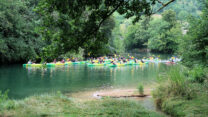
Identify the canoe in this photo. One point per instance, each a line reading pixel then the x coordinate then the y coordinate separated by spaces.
pixel 121 64
pixel 75 62
pixel 36 65
pixel 169 62
pixel 60 64
pixel 117 65
pixel 83 62
pixel 32 65
pixel 50 64
pixel 68 63
pixel 26 65
pixel 140 63
pixel 95 64
pixel 129 63
pixel 108 60
pixel 112 65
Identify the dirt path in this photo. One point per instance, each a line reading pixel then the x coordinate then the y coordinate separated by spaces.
pixel 114 93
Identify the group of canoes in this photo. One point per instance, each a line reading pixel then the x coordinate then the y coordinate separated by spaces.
pixel 103 61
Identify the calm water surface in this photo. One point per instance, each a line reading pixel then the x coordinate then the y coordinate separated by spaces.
pixel 23 82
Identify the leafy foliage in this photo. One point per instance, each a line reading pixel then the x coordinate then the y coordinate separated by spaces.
pixel 3 96
pixel 183 8
pixel 194 46
pixel 138 35
pixel 116 42
pixel 181 90
pixel 157 34
pixel 165 34
pixel 68 25
pixel 18 39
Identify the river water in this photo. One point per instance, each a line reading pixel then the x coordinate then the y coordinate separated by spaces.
pixel 22 82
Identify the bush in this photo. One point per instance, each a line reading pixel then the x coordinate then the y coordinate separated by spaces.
pixel 3 96
pixel 197 74
pixel 141 89
pixel 176 83
pixel 179 96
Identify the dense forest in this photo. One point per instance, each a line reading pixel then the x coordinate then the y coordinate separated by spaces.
pixel 30 29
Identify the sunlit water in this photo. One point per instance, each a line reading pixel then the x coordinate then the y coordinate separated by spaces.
pixel 23 82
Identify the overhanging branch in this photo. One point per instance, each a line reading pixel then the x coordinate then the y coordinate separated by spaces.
pixel 164 4
pixel 160 2
pixel 94 31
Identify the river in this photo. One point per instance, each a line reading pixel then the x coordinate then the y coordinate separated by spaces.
pixel 22 82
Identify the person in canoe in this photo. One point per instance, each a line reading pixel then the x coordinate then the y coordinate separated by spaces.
pixel 29 62
pixel 120 60
pixel 135 60
pixel 113 62
pixel 172 61
pixel 92 60
pixel 62 61
pixel 124 60
pixel 54 61
pixel 68 60
pixel 100 60
pixel 74 60
pixel 142 61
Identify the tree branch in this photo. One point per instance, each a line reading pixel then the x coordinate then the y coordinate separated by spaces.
pixel 108 15
pixel 101 22
pixel 164 5
pixel 160 2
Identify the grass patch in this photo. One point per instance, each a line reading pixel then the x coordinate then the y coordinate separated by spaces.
pixel 183 93
pixel 62 106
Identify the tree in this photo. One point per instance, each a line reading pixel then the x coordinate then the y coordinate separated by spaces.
pixel 191 7
pixel 165 33
pixel 138 35
pixel 158 33
pixel 70 24
pixel 194 46
pixel 18 39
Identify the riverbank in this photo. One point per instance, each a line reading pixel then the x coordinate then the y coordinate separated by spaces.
pixel 127 92
pixel 183 93
pixel 61 105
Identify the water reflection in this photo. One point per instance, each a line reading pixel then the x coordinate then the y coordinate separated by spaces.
pixel 30 81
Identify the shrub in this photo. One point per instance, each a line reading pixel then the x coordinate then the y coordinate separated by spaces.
pixel 197 74
pixel 176 83
pixel 141 89
pixel 3 96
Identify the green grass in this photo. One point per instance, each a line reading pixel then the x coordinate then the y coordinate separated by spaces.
pixel 62 106
pixel 182 94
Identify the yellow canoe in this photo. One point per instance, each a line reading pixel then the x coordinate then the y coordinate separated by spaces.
pixel 32 65
pixel 59 64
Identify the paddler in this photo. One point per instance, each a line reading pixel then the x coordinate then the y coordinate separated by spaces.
pixel 54 61
pixel 29 62
pixel 62 61
pixel 142 61
pixel 135 60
